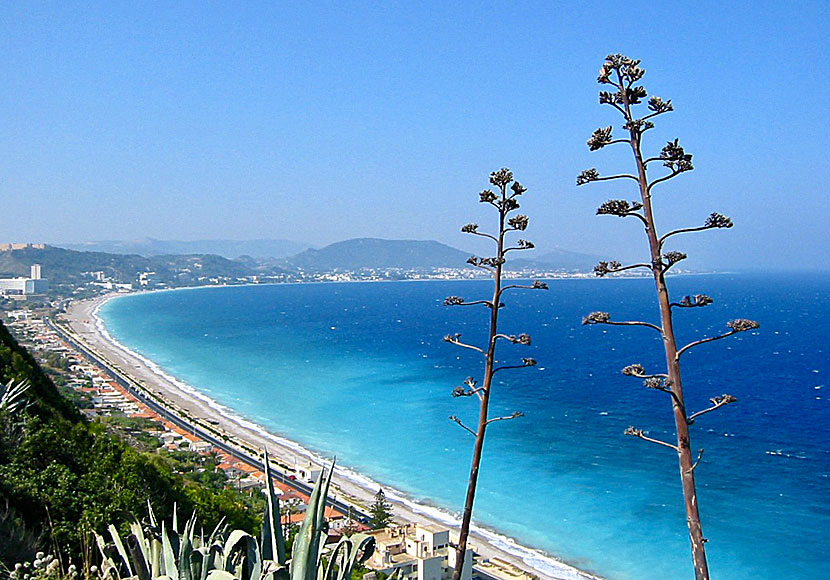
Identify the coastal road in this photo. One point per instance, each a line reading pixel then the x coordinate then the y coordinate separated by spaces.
pixel 196 429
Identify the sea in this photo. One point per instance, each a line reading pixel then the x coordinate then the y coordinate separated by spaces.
pixel 360 371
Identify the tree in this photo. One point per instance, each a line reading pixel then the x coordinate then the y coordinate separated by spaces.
pixel 505 201
pixel 623 74
pixel 381 511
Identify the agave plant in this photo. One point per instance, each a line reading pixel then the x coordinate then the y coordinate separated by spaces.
pixel 164 553
pixel 14 397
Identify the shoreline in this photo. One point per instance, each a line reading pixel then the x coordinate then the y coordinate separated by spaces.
pixel 349 485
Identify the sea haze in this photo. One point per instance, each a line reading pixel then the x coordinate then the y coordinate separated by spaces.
pixel 361 371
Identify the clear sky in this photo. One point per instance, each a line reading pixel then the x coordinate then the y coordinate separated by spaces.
pixel 319 121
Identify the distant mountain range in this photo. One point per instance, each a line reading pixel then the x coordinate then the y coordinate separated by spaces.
pixel 231 249
pixel 360 253
pixel 354 254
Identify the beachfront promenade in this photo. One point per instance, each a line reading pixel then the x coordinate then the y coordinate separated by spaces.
pixel 181 420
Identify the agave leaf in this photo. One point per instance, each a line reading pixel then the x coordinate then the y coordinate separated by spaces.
pixel 186 549
pixel 348 553
pixel 142 544
pixel 221 575
pixel 217 531
pixel 280 573
pixel 235 543
pixel 197 563
pixel 168 553
pixel 337 559
pixel 253 561
pixel 142 570
pixel 119 545
pixel 363 546
pixel 218 554
pixel 13 396
pixel 273 542
pixel 155 559
pixel 153 523
pixel 307 543
pixel 108 565
pixel 213 559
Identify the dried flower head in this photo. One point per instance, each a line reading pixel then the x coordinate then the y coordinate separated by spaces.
pixel 524 339
pixel 696 300
pixel 634 370
pixel 501 177
pixel 460 392
pixel 658 105
pixel 723 399
pixel 525 244
pixel 605 73
pixel 655 383
pixel 673 258
pixel 529 362
pixel 638 125
pixel 519 222
pixel 491 261
pixel 606 98
pixel 618 207
pixel 470 228
pixel 453 300
pixel 675 157
pixel 518 188
pixel 716 220
pixel 539 285
pixel 587 176
pixel 742 324
pixel 487 196
pixel 635 94
pixel 600 138
pixel 604 268
pixel 508 204
pixel 596 318
pixel 633 432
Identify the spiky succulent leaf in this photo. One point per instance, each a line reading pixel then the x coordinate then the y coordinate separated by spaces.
pixel 273 543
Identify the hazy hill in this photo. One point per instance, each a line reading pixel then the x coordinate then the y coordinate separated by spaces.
pixel 62 266
pixel 558 259
pixel 230 249
pixel 376 253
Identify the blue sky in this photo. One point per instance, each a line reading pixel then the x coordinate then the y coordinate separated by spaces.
pixel 339 120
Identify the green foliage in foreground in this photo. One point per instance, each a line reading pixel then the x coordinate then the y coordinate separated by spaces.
pixel 161 551
pixel 63 478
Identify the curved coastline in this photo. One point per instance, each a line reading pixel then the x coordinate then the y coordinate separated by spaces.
pixel 85 318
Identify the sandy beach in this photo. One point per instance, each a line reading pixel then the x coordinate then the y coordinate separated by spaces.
pixel 347 485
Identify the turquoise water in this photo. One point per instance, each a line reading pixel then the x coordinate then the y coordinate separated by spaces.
pixel 361 371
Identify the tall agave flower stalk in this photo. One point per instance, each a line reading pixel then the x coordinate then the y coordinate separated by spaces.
pixel 623 74
pixel 505 201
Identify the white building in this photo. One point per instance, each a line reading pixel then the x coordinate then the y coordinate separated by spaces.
pixel 25 286
pixel 420 552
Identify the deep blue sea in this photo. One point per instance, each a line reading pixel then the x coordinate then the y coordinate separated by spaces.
pixel 360 371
